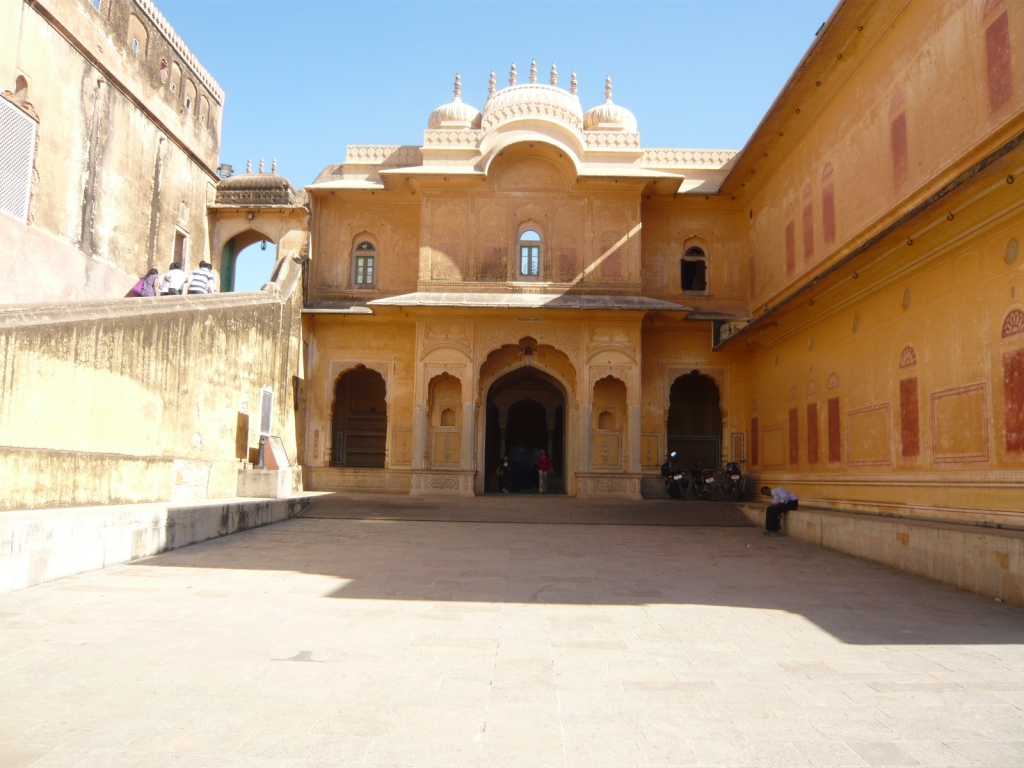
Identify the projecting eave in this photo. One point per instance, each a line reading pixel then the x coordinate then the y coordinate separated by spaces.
pixel 529 301
pixel 337 308
pixel 340 184
pixel 464 171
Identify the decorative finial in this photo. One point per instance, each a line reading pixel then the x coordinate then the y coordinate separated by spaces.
pixel 533 71
pixel 512 75
pixel 492 85
pixel 572 84
pixel 261 165
pixel 608 88
pixel 273 166
pixel 554 74
pixel 248 165
pixel 458 87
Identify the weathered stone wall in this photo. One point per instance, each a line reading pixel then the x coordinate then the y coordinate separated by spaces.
pixel 119 131
pixel 138 400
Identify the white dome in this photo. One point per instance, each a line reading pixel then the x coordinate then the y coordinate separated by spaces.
pixel 456 114
pixel 532 100
pixel 609 116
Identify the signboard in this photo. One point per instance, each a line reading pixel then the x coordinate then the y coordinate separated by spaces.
pixel 266 411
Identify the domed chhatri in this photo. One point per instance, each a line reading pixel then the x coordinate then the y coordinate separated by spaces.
pixel 609 116
pixel 455 115
pixel 532 99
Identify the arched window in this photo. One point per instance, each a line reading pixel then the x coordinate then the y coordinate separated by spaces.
pixel 529 266
pixel 693 271
pixel 175 83
pixel 138 37
pixel 204 109
pixel 190 96
pixel 21 89
pixel 364 264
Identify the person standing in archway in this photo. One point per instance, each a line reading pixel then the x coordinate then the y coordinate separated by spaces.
pixel 504 474
pixel 543 468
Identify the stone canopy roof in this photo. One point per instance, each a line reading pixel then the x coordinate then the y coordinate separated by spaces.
pixel 258 189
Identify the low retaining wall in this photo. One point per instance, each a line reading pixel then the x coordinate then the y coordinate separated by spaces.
pixel 989 561
pixel 43 545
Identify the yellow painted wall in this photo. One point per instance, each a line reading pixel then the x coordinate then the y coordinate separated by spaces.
pixel 929 63
pixel 941 324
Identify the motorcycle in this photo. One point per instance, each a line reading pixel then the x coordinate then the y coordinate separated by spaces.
pixel 702 480
pixel 675 483
pixel 732 480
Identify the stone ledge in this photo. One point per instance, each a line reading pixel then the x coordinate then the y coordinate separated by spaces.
pixel 43 545
pixel 986 560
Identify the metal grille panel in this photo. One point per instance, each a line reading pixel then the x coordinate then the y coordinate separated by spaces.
pixel 17 147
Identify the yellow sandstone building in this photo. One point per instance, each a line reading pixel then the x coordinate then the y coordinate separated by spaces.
pixel 514 285
pixel 838 304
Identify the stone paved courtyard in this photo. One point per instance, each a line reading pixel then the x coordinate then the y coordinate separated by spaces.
pixel 336 642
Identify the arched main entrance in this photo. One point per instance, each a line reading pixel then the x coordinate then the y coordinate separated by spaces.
pixel 695 420
pixel 359 424
pixel 525 414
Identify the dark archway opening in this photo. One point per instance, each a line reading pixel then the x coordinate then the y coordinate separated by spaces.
pixel 695 420
pixel 525 414
pixel 359 424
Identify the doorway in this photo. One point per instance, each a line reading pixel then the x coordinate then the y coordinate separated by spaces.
pixel 359 424
pixel 525 414
pixel 694 426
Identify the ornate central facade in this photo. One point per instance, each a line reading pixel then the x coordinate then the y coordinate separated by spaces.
pixel 501 289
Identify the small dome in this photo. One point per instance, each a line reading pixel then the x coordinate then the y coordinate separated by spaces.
pixel 609 116
pixel 456 114
pixel 261 188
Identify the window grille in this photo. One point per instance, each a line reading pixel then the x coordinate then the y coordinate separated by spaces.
pixel 17 148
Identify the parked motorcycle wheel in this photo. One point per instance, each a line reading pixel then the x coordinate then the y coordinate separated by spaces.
pixel 702 492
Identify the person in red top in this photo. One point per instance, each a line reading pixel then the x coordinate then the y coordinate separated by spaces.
pixel 543 467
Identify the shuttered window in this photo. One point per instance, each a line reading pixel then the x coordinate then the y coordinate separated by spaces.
pixel 17 147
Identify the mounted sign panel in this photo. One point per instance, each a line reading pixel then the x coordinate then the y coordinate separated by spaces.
pixel 266 411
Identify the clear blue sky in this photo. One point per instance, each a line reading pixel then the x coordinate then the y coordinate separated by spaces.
pixel 304 78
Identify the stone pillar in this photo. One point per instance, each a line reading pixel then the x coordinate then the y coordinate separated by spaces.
pixel 633 439
pixel 585 438
pixel 468 433
pixel 419 436
pixel 549 416
pixel 502 424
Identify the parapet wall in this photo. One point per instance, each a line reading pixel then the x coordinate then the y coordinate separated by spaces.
pixel 143 400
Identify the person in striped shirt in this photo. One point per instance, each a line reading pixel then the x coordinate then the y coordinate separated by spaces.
pixel 202 280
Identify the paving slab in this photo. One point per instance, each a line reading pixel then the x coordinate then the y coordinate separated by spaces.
pixel 392 642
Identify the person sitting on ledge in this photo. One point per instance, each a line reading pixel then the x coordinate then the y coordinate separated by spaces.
pixel 782 501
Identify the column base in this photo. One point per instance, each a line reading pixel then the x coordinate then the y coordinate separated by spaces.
pixel 443 482
pixel 604 485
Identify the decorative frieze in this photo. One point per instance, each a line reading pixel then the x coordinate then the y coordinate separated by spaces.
pixel 598 140
pixel 688 158
pixel 386 155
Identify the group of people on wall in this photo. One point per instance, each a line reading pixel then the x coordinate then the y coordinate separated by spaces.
pixel 176 282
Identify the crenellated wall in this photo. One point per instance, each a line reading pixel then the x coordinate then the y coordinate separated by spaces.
pixel 125 120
